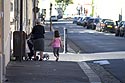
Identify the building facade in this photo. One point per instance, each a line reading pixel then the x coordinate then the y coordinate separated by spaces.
pixel 10 22
pixel 4 36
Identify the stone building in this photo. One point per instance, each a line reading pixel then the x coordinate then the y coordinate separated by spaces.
pixel 10 22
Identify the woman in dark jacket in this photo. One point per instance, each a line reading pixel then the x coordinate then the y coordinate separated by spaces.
pixel 38 32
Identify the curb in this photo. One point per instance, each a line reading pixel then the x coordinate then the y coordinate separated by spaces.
pixel 93 77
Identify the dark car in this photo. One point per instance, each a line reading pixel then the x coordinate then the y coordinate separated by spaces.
pixel 84 23
pixel 75 19
pixel 59 16
pixel 54 18
pixel 80 21
pixel 120 29
pixel 109 26
pixel 92 22
pixel 100 25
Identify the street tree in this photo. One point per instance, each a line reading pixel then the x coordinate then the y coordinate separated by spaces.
pixel 63 4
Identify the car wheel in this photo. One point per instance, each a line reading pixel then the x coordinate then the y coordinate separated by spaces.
pixel 121 34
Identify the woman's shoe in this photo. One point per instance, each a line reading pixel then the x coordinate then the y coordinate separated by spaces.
pixel 41 60
pixel 34 59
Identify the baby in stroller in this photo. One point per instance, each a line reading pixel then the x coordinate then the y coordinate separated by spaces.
pixel 29 47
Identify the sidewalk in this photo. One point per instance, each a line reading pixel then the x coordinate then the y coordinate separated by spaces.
pixel 45 71
pixel 71 68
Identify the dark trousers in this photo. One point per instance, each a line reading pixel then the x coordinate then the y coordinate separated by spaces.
pixel 56 51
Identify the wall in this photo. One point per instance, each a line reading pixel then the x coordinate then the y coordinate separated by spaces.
pixel 7 31
pixel 29 16
pixel 4 37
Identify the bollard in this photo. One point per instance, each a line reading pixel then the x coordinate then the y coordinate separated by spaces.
pixel 65 40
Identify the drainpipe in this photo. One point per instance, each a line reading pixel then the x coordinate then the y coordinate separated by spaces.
pixel 21 15
pixel 27 17
pixel 21 29
pixel 1 41
pixel 34 13
pixel 1 58
pixel 18 15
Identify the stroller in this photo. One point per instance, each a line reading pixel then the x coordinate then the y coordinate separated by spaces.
pixel 30 45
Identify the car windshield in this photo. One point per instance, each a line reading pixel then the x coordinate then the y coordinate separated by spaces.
pixel 90 20
pixel 53 16
pixel 103 20
pixel 110 23
pixel 75 17
pixel 87 18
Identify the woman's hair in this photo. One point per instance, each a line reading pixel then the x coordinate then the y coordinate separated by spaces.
pixel 56 33
pixel 38 21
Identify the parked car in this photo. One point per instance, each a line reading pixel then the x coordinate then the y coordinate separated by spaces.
pixel 80 21
pixel 96 21
pixel 117 28
pixel 109 26
pixel 100 25
pixel 120 29
pixel 59 16
pixel 90 23
pixel 75 19
pixel 84 23
pixel 54 18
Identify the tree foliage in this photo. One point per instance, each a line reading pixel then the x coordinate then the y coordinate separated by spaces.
pixel 63 3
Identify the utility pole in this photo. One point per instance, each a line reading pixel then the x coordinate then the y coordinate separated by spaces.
pixel 92 8
pixel 50 16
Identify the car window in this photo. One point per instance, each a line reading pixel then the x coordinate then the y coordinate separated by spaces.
pixel 90 20
pixel 124 24
pixel 96 20
pixel 53 16
pixel 103 20
pixel 121 23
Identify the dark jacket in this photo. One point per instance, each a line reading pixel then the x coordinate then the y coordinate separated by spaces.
pixel 38 31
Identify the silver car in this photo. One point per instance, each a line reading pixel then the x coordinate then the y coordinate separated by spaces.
pixel 54 18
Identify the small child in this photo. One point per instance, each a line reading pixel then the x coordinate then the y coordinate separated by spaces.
pixel 56 44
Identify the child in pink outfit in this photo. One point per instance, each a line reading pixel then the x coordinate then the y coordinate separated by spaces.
pixel 56 44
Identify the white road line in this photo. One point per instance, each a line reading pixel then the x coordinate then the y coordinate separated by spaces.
pixel 93 77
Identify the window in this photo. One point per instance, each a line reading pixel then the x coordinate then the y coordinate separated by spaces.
pixel 11 6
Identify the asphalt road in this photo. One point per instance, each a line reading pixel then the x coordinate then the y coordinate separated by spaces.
pixel 90 41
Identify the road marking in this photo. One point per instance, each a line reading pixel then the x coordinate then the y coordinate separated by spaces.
pixel 93 77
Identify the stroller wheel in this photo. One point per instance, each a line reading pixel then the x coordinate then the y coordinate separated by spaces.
pixel 37 57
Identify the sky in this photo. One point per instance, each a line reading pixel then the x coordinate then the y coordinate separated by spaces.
pixel 104 8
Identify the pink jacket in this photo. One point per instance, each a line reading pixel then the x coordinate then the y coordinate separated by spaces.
pixel 56 42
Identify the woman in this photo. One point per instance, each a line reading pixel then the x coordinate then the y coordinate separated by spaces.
pixel 38 32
